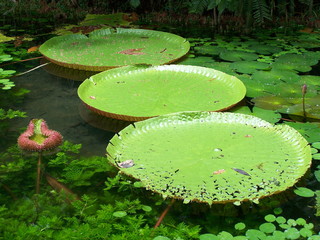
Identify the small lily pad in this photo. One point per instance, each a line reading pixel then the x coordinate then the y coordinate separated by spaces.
pixel 209 50
pixel 249 66
pixel 264 48
pixel 311 131
pixel 299 62
pixel 236 55
pixel 304 192
pixel 268 115
pixel 267 227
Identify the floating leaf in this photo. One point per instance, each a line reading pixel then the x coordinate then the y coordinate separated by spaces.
pixel 178 88
pixel 270 218
pixel 249 66
pixel 312 108
pixel 196 61
pixel 240 226
pixel 235 55
pixel 281 220
pixel 267 227
pixel 105 49
pixel 271 102
pixel 253 234
pixel 275 76
pixel 299 62
pixel 309 80
pixel 268 115
pixel 165 162
pixel 209 50
pixel 292 233
pixel 304 192
pixel 264 49
pixel 278 235
pixel 309 130
pixel 208 236
pixel 306 233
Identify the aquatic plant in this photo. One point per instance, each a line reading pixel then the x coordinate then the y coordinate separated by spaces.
pixel 104 49
pixel 179 88
pixel 39 138
pixel 226 158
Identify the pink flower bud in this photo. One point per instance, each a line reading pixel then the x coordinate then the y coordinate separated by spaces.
pixel 38 137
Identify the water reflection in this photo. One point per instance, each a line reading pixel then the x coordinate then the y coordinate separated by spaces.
pixel 55 99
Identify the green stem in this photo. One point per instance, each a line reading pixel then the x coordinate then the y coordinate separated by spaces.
pixel 38 173
pixel 164 213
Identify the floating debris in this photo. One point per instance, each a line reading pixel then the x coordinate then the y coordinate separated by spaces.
pixel 126 164
pixel 219 171
pixel 241 171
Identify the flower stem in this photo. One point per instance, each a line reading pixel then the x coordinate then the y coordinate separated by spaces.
pixel 38 173
pixel 164 213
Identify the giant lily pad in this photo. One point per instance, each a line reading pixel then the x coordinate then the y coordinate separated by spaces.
pixel 105 49
pixel 211 157
pixel 136 93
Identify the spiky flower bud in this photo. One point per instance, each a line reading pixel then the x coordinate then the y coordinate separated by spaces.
pixel 38 137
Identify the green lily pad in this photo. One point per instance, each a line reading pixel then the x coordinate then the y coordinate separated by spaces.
pixel 211 157
pixel 268 115
pixel 299 62
pixel 249 66
pixel 272 102
pixel 136 93
pixel 312 110
pixel 310 80
pixel 310 131
pixel 105 49
pixel 209 50
pixel 264 49
pixel 275 76
pixel 196 61
pixel 236 55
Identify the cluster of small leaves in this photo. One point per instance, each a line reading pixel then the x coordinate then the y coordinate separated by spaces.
pixel 107 211
pixel 6 74
pixel 307 192
pixel 269 65
pixel 275 227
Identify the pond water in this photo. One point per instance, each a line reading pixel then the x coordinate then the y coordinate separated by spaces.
pixel 55 100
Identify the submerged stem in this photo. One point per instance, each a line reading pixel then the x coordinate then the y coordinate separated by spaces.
pixel 164 213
